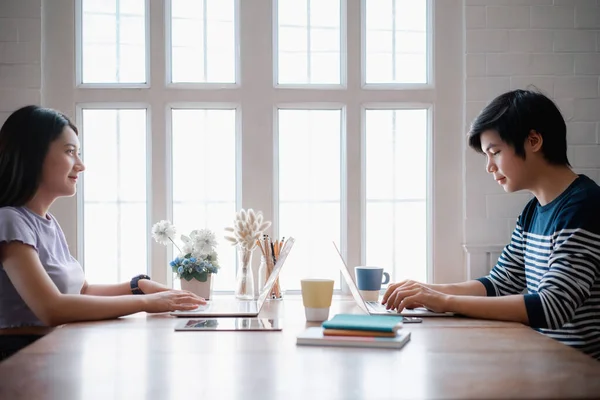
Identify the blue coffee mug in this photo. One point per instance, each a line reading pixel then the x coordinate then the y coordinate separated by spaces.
pixel 370 278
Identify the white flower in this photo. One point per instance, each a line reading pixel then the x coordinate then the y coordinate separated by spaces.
pixel 188 245
pixel 163 232
pixel 204 241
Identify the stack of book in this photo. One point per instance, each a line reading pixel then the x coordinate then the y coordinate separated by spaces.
pixel 357 330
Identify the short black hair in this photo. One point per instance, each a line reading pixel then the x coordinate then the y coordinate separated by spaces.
pixel 514 114
pixel 25 140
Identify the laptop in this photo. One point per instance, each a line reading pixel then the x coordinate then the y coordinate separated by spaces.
pixel 375 307
pixel 232 307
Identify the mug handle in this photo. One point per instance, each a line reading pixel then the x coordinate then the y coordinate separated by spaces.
pixel 386 278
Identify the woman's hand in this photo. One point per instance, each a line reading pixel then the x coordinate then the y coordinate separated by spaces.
pixel 411 294
pixel 148 286
pixel 172 300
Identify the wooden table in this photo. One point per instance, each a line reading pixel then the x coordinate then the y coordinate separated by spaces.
pixel 142 357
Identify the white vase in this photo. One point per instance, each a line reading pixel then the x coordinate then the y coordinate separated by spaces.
pixel 202 289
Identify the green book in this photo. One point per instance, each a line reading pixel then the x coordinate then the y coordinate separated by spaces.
pixel 362 322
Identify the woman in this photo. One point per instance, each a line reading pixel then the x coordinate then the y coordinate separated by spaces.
pixel 41 284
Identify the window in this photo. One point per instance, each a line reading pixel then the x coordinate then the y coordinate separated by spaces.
pixel 267 105
pixel 396 191
pixel 204 176
pixel 114 194
pixel 310 190
pixel 203 41
pixel 308 41
pixel 396 42
pixel 112 41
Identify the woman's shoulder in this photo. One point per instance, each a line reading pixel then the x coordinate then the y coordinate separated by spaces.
pixel 12 214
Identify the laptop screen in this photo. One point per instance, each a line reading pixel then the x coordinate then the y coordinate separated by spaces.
pixel 353 288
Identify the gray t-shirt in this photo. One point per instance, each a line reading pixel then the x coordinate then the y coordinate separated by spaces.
pixel 47 238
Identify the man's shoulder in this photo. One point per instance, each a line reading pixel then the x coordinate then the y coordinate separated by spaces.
pixel 580 207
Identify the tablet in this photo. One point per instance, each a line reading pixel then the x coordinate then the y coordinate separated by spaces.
pixel 229 324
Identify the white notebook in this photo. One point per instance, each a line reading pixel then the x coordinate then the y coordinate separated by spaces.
pixel 314 337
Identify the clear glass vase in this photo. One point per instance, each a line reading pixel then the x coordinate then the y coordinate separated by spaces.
pixel 264 272
pixel 244 288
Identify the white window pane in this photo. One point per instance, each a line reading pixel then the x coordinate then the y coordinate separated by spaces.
pixel 309 191
pixel 325 68
pixel 133 7
pixel 380 68
pixel 99 28
pixel 188 66
pixel 220 52
pixel 187 33
pixel 204 165
pixel 114 195
pixel 396 41
pixel 411 67
pixel 302 41
pixel 107 29
pixel 132 241
pixel 396 191
pixel 131 61
pixel 293 39
pixel 220 11
pixel 399 250
pixel 101 242
pixel 325 40
pixel 411 42
pixel 411 15
pixel 292 12
pixel 131 31
pixel 380 42
pixel 379 14
pixel 203 41
pixel 187 9
pixel 293 67
pixel 325 13
pixel 132 155
pixel 100 155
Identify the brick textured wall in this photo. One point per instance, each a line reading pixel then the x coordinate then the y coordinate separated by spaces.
pixel 510 44
pixel 20 54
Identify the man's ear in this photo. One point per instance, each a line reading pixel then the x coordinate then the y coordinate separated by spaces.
pixel 535 141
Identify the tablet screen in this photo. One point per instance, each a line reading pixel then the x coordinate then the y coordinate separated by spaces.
pixel 229 324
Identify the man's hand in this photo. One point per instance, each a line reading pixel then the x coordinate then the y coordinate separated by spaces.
pixel 411 294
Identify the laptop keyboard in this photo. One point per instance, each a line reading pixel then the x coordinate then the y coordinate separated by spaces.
pixel 378 307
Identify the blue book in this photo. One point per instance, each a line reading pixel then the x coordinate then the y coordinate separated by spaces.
pixel 363 322
pixel 314 337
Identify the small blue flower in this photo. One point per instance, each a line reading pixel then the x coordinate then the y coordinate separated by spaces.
pixel 186 262
pixel 180 270
pixel 193 259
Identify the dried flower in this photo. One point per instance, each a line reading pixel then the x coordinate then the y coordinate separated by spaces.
pixel 248 227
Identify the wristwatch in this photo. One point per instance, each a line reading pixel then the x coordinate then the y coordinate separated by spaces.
pixel 134 283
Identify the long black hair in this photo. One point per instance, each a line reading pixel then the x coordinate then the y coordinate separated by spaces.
pixel 25 139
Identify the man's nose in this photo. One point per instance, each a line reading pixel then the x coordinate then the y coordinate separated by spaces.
pixel 490 167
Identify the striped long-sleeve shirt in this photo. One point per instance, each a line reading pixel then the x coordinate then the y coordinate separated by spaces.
pixel 554 253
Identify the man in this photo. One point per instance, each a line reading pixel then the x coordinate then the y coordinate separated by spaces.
pixel 554 252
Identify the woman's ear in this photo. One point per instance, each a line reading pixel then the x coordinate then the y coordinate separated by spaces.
pixel 534 141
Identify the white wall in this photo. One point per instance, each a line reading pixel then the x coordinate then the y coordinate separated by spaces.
pixel 20 54
pixel 552 44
